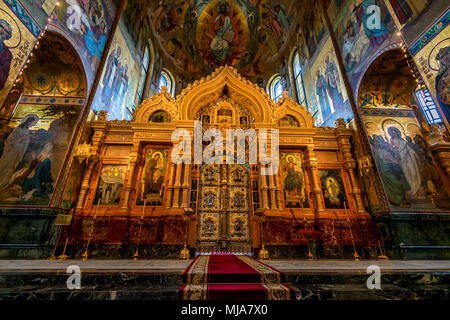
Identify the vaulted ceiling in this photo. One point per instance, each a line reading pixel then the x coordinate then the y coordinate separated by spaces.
pixel 197 36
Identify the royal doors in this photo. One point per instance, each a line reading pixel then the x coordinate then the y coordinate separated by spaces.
pixel 224 209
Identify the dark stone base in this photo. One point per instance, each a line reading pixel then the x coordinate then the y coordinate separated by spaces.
pixel 128 285
pixel 415 236
pixel 322 252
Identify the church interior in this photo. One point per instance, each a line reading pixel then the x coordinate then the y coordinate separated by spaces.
pixel 349 98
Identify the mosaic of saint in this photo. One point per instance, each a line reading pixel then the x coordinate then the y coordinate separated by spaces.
pixel 408 173
pixel 357 39
pixel 87 23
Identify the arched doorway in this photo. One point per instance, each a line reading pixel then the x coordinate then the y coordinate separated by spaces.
pixel 397 132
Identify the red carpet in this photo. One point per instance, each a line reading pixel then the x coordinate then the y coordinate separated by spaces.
pixel 232 277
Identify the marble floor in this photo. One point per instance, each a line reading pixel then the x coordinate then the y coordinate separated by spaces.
pixel 319 266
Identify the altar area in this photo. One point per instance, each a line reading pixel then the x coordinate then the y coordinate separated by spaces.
pixel 135 200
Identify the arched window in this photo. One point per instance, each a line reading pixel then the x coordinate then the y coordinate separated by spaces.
pixel 275 88
pixel 298 79
pixel 428 106
pixel 167 81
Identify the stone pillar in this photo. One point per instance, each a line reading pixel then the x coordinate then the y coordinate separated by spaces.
pixel 316 188
pixel 350 164
pixel 177 186
pixel 185 187
pixel 265 202
pixel 170 186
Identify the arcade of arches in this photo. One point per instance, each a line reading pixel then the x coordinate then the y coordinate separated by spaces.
pixel 92 114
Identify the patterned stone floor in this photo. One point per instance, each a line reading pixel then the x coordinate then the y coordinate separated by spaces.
pixel 319 266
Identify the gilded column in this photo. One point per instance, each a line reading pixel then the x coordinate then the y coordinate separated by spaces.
pixel 177 186
pixel 185 187
pixel 170 186
pixel 100 127
pixel 316 188
pixel 132 168
pixel 265 202
pixel 129 185
pixel 273 202
pixel 350 164
pixel 85 185
pixel 278 190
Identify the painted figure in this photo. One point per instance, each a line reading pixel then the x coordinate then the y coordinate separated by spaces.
pixel 5 53
pixel 321 91
pixel 333 83
pixel 332 191
pixel 293 181
pixel 221 43
pixel 239 199
pixel 155 174
pixel 39 182
pixel 443 80
pixel 409 159
pixel 15 147
pixel 394 180
pixel 111 76
pixel 210 199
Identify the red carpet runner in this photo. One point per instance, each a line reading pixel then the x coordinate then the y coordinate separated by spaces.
pixel 232 277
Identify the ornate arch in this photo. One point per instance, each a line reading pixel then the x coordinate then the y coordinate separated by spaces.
pixel 210 89
pixel 287 106
pixel 161 101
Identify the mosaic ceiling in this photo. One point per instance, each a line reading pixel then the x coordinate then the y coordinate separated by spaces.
pixel 197 36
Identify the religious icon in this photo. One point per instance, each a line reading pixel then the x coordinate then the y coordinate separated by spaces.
pixel 238 200
pixel 208 227
pixel 239 228
pixel 210 199
pixel 153 175
pixel 243 121
pixel 111 183
pixel 332 191
pixel 237 175
pixel 224 33
pixel 209 174
pixel 333 188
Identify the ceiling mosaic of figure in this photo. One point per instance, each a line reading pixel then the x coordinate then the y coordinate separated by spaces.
pixel 198 36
